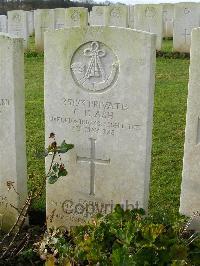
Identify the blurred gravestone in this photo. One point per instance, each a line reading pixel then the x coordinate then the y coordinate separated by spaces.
pixel 13 180
pixel 97 16
pixel 3 24
pixel 59 18
pixel 18 25
pixel 186 17
pixel 116 15
pixel 76 16
pixel 30 22
pixel 150 18
pixel 168 20
pixel 190 196
pixel 131 17
pixel 44 20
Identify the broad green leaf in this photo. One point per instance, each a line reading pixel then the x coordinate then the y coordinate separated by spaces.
pixel 62 172
pixel 52 179
pixel 55 167
pixel 64 147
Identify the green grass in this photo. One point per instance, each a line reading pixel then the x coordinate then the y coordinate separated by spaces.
pixel 168 134
pixel 34 120
pixel 168 131
pixel 167 45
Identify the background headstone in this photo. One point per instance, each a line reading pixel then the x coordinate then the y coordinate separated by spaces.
pixel 190 196
pixel 186 17
pixel 76 16
pixel 3 24
pixel 18 25
pixel 59 18
pixel 13 178
pixel 44 20
pixel 150 18
pixel 131 17
pixel 99 97
pixel 168 19
pixel 116 15
pixel 97 16
pixel 30 22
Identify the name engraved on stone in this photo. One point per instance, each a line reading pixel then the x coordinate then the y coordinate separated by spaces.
pixel 60 25
pixel 94 116
pixel 94 67
pixel 43 29
pixel 92 160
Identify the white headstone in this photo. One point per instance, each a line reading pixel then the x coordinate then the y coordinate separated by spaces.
pixel 59 18
pixel 3 24
pixel 18 25
pixel 149 18
pixel 131 17
pixel 99 86
pixel 30 22
pixel 168 19
pixel 186 17
pixel 13 180
pixel 190 196
pixel 76 16
pixel 44 20
pixel 116 15
pixel 97 16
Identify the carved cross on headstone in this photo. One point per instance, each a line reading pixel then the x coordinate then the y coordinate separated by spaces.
pixel 185 34
pixel 93 161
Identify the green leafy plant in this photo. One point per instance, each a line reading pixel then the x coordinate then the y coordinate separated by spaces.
pixel 57 170
pixel 121 238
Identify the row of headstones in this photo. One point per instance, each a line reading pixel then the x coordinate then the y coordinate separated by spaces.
pixel 99 87
pixel 165 20
pixel 19 23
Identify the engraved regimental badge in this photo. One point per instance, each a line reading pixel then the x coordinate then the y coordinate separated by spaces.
pixel 94 67
pixel 16 17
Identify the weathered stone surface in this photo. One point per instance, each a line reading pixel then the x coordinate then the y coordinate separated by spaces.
pixel 76 16
pixel 99 84
pixel 168 19
pixel 44 21
pixel 131 17
pixel 97 16
pixel 186 17
pixel 18 25
pixel 116 15
pixel 3 24
pixel 30 22
pixel 190 196
pixel 59 18
pixel 13 186
pixel 149 18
